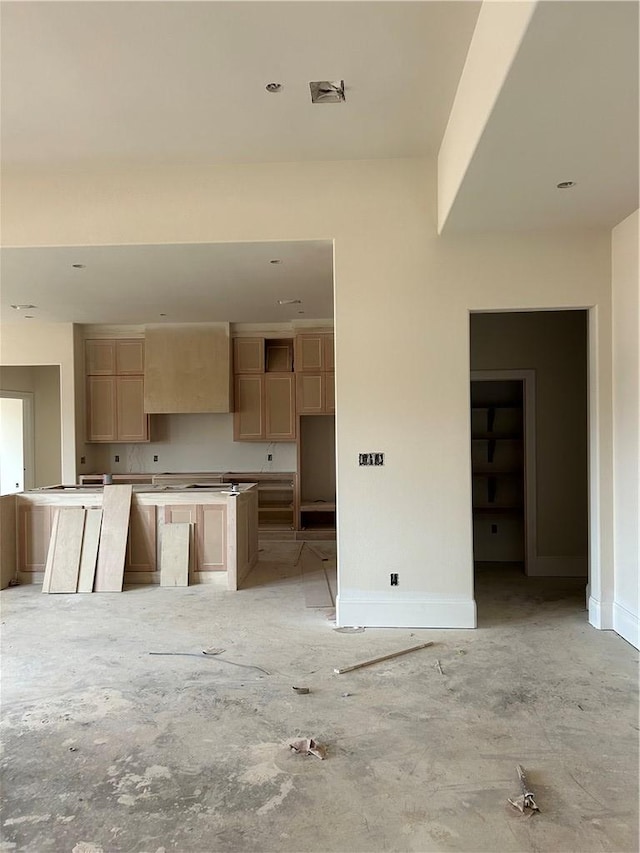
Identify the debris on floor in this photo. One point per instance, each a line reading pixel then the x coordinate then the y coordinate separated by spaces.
pixel 210 653
pixel 213 651
pixel 308 746
pixel 525 800
pixel 354 630
pixel 383 658
pixel 301 690
pixel 439 667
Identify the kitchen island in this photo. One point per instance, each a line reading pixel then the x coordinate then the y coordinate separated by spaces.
pixel 224 545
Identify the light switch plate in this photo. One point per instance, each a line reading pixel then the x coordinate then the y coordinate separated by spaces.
pixel 371 459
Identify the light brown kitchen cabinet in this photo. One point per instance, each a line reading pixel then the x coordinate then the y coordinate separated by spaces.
pixel 248 418
pixel 280 406
pixel 329 361
pixel 265 407
pixel 248 355
pixel 315 393
pixel 34 530
pixel 310 353
pixel 115 391
pixel 210 532
pixel 141 543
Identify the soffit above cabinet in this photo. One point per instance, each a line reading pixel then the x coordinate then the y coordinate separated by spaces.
pixel 187 368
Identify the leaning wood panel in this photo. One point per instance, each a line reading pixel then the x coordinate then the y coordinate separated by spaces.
pixel 116 505
pixel 187 368
pixel 174 561
pixel 68 546
pixel 46 581
pixel 89 554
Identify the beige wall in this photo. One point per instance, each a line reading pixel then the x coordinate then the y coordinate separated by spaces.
pixel 626 429
pixel 554 344
pixel 198 443
pixel 402 305
pixel 44 383
pixel 47 344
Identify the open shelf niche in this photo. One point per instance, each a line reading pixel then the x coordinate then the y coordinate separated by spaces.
pixel 317 473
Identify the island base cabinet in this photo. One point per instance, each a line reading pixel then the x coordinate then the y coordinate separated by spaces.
pixel 34 530
pixel 209 544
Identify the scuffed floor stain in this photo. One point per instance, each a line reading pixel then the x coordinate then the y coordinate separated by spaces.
pixel 88 706
pixel 27 818
pixel 285 790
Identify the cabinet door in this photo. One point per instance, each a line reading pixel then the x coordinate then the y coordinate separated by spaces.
pixel 309 353
pixel 129 357
pixel 34 530
pixel 310 393
pixel 141 544
pixel 211 537
pixel 280 406
pixel 329 393
pixel 328 352
pixel 101 408
pixel 100 358
pixel 248 355
pixel 248 418
pixel 132 423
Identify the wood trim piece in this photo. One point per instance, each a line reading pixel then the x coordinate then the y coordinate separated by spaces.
pixel 67 549
pixel 116 506
pixel 174 561
pixel 89 554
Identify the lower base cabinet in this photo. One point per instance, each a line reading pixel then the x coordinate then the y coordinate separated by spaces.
pixel 210 533
pixel 141 543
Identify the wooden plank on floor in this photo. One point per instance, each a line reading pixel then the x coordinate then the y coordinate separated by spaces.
pixel 314 579
pixel 174 558
pixel 46 581
pixel 116 506
pixel 89 554
pixel 68 545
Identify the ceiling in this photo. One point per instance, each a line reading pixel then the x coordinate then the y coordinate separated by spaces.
pixel 99 85
pixel 213 282
pixel 567 112
pixel 104 83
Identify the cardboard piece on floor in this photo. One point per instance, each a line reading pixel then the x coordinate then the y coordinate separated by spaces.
pixel 89 554
pixel 46 581
pixel 174 558
pixel 68 545
pixel 116 506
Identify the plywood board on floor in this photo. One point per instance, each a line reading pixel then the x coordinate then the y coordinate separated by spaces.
pixel 67 548
pixel 174 559
pixel 89 554
pixel 116 506
pixel 285 553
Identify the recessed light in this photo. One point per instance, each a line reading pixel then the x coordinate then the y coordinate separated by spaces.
pixel 300 312
pixel 275 261
pixel 289 301
pixel 273 87
pixel 23 307
pixel 565 185
pixel 78 266
pixel 28 316
pixel 163 315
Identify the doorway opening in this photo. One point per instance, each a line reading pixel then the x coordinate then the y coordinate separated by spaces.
pixel 16 442
pixel 529 440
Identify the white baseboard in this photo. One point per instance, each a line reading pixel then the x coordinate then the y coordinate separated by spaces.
pixel 414 612
pixel 600 614
pixel 626 624
pixel 560 567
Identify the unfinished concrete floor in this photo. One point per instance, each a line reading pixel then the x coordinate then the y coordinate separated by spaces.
pixel 109 748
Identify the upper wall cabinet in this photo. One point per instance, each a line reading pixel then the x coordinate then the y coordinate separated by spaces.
pixel 115 382
pixel 187 368
pixel 265 389
pixel 314 352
